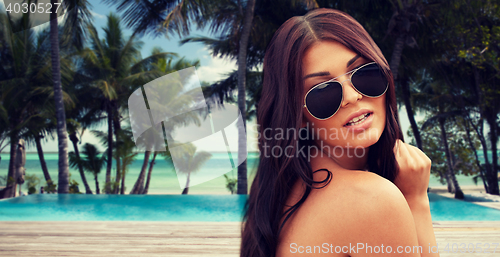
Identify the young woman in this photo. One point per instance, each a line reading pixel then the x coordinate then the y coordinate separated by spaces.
pixel 334 176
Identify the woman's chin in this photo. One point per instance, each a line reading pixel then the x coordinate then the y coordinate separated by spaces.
pixel 351 145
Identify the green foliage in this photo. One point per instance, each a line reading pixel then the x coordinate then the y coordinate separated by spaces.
pixel 463 158
pixel 111 186
pixel 189 159
pixel 92 160
pixel 73 187
pixel 31 182
pixel 31 190
pixel 50 187
pixel 469 34
pixel 231 184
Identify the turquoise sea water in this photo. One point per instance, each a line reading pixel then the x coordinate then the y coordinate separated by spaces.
pixel 163 178
pixel 53 207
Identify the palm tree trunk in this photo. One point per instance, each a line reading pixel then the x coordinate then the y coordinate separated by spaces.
pixel 471 145
pixel 491 118
pixel 118 176
pixel 409 111
pixel 185 191
pixel 10 187
pixel 139 184
pixel 480 132
pixel 122 188
pixel 151 164
pixel 97 191
pixel 449 183
pixel 395 61
pixel 396 55
pixel 117 128
pixel 110 149
pixel 42 161
pixel 74 140
pixel 63 181
pixel 484 146
pixel 242 67
pixel 451 174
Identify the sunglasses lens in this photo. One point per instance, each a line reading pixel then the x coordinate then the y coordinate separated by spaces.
pixel 324 100
pixel 370 80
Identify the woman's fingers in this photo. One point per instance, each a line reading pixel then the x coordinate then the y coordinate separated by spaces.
pixel 414 170
pixel 425 159
pixel 405 155
pixel 422 161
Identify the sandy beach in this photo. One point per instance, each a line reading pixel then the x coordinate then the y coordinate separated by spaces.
pixel 469 189
pixel 474 194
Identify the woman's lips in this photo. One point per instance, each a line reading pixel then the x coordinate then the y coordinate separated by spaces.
pixel 362 125
pixel 356 114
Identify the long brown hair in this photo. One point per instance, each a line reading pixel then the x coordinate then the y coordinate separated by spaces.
pixel 280 108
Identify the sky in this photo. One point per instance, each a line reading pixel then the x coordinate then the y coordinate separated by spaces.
pixel 211 69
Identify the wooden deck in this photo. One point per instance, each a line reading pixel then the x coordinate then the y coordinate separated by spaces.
pixel 117 238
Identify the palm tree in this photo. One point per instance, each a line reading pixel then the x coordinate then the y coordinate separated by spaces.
pixel 124 155
pixel 147 17
pixel 242 67
pixel 38 128
pixel 163 66
pixel 464 34
pixel 3 134
pixel 39 123
pixel 114 63
pixel 442 105
pixel 78 15
pixel 144 191
pixel 236 17
pixel 73 127
pixel 83 115
pixel 62 134
pixel 3 128
pixel 407 15
pixel 22 67
pixel 91 162
pixel 189 160
pixel 176 103
pixel 126 161
pixel 480 61
pixel 123 152
pixel 43 123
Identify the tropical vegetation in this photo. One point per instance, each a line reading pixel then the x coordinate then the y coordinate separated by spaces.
pixel 68 79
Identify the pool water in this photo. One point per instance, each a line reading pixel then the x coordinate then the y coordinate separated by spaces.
pixel 447 209
pixel 53 207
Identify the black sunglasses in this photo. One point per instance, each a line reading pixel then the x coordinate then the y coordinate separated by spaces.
pixel 323 100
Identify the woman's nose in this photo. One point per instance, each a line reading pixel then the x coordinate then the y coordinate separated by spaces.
pixel 350 95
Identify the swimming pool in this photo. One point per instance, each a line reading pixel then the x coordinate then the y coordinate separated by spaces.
pixel 53 207
pixel 71 207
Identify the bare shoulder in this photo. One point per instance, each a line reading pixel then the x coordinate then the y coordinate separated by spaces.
pixel 360 193
pixel 370 210
pixel 355 207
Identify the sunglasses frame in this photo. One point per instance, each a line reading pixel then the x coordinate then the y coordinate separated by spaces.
pixel 342 87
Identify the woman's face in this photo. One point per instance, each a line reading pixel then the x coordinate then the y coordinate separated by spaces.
pixel 326 60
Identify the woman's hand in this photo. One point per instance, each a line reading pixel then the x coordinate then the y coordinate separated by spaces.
pixel 413 180
pixel 414 172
